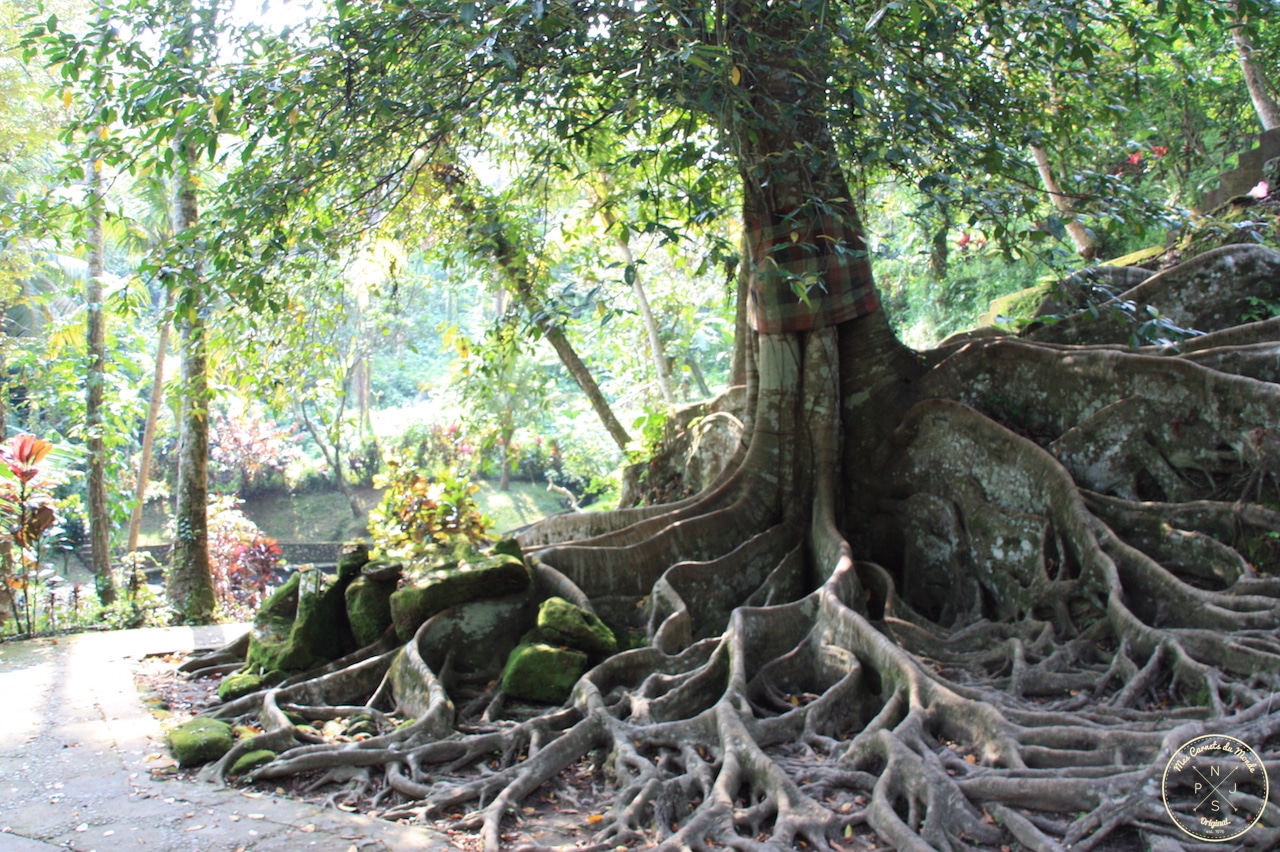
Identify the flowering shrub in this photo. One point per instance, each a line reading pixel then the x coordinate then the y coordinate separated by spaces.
pixel 245 452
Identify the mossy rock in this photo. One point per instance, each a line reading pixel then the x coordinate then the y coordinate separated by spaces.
pixel 369 607
pixel 250 761
pixel 563 623
pixel 200 741
pixel 302 624
pixel 352 560
pixel 539 672
pixel 491 577
pixel 234 686
pixel 508 546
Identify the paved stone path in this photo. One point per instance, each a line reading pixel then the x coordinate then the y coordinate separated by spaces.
pixel 74 771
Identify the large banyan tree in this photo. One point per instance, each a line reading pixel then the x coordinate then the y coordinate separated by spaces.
pixel 970 597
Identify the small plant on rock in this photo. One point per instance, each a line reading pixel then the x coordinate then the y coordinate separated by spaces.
pixel 420 511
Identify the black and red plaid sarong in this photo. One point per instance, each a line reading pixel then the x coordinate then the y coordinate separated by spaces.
pixel 809 270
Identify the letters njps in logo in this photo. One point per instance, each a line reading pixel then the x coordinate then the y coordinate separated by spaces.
pixel 1215 787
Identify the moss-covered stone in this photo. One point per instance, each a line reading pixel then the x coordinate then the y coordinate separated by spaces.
pixel 563 623
pixel 352 560
pixel 301 625
pixel 509 547
pixel 200 741
pixel 369 607
pixel 492 577
pixel 250 761
pixel 539 672
pixel 239 684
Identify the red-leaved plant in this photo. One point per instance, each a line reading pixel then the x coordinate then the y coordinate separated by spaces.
pixel 243 560
pixel 26 514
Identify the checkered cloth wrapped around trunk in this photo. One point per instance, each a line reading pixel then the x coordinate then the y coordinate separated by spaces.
pixel 819 253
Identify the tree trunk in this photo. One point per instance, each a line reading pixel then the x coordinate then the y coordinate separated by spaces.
pixel 1080 238
pixel 632 273
pixel 149 429
pixel 331 447
pixel 95 387
pixel 189 580
pixel 488 228
pixel 581 373
pixel 504 478
pixel 1254 78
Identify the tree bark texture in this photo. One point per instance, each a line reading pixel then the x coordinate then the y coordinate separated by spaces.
pixel 189 581
pixel 95 388
pixel 1080 237
pixel 1255 79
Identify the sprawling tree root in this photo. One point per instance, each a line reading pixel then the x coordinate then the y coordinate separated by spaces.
pixel 1073 574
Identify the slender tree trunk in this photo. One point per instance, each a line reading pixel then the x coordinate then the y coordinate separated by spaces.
pixel 656 349
pixel 699 379
pixel 149 430
pixel 1254 79
pixel 581 374
pixel 331 448
pixel 95 387
pixel 504 478
pixel 940 251
pixel 1080 238
pixel 487 226
pixel 189 581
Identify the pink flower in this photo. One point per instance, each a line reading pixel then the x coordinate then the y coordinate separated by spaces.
pixel 1262 190
pixel 1159 150
pixel 1135 158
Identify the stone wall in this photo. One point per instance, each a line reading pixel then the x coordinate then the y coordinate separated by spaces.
pixel 295 552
